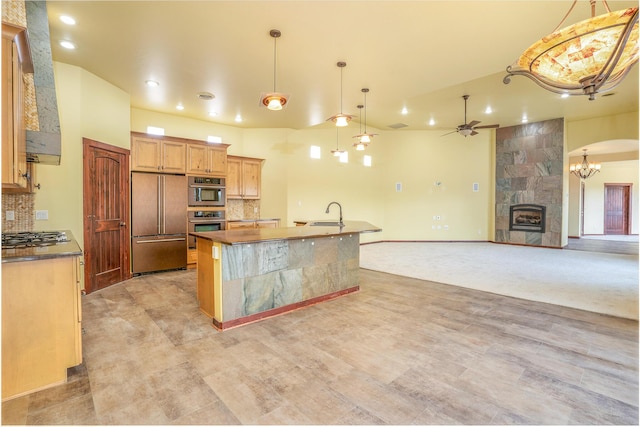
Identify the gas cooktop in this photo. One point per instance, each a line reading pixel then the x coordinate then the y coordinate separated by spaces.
pixel 26 239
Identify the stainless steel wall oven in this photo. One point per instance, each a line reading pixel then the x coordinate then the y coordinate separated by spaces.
pixel 206 191
pixel 205 221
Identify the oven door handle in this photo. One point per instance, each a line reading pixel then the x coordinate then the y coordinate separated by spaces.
pixel 214 186
pixel 207 221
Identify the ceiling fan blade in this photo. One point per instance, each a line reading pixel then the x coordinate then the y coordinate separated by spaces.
pixel 473 133
pixel 472 124
pixel 487 127
pixel 449 133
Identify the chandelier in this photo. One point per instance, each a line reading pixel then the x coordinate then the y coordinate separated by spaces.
pixel 274 100
pixel 340 119
pixel 585 169
pixel 586 58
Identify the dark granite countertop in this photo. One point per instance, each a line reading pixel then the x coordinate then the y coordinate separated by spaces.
pixel 253 220
pixel 59 250
pixel 254 235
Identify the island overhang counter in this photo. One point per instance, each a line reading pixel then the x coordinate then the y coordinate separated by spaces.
pixel 251 274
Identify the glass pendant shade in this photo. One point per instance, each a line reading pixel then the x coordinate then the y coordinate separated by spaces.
pixel 591 56
pixel 366 138
pixel 341 120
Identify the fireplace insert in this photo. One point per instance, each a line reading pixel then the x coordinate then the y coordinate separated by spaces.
pixel 527 218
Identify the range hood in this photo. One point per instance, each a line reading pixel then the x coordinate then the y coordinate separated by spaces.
pixel 44 144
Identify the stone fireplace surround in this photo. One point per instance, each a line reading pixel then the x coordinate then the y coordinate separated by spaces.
pixel 529 171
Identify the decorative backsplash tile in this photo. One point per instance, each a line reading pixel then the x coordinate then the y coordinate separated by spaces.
pixel 23 207
pixel 242 209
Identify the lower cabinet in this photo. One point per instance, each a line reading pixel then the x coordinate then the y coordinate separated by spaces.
pixel 41 323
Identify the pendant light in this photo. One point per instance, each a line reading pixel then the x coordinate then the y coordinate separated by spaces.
pixel 588 57
pixel 337 152
pixel 274 100
pixel 341 119
pixel 360 145
pixel 364 137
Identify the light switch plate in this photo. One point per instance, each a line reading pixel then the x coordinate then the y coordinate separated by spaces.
pixel 10 215
pixel 40 215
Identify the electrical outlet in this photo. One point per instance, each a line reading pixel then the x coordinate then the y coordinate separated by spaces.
pixel 10 215
pixel 41 215
pixel 255 210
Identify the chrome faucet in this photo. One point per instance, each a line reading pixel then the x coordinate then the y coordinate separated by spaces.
pixel 340 206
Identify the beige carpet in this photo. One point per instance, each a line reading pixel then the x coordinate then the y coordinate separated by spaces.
pixel 593 281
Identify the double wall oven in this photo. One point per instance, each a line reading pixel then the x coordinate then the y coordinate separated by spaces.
pixel 207 198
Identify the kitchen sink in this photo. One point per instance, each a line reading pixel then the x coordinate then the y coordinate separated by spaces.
pixel 326 224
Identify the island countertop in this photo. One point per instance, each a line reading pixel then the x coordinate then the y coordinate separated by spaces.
pixel 254 235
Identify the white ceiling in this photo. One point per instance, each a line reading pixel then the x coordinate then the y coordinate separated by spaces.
pixel 422 55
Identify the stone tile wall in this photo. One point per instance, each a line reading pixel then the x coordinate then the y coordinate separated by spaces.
pixel 529 168
pixel 267 275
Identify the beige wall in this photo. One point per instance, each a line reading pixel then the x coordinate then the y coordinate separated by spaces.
pixel 88 107
pixel 295 186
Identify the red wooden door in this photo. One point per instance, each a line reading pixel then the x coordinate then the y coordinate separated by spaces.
pixel 106 211
pixel 616 208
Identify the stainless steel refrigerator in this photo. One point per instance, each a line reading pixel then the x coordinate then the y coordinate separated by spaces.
pixel 158 222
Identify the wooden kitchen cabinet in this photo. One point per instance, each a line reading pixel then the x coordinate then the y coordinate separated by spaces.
pixel 158 155
pixel 206 160
pixel 16 61
pixel 244 177
pixel 41 323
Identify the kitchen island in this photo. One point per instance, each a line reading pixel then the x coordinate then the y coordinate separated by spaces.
pixel 251 274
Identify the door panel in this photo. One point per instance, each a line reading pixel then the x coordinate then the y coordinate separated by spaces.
pixel 106 207
pixel 616 219
pixel 145 215
pixel 175 204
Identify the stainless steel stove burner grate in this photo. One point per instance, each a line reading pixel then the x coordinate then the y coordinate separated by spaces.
pixel 26 239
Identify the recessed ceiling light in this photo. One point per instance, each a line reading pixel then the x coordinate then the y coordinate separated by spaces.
pixel 67 45
pixel 404 111
pixel 432 122
pixel 238 118
pixel 488 110
pixel 67 20
pixel 564 95
pixel 151 83
pixel 206 96
pixel 180 107
pixel 524 118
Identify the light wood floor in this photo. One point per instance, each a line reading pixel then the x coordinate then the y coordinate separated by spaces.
pixel 400 351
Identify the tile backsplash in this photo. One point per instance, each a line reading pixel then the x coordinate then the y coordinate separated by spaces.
pixel 23 207
pixel 243 209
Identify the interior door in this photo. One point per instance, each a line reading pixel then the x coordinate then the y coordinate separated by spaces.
pixel 106 221
pixel 616 208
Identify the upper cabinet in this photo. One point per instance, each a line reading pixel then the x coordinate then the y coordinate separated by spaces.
pixel 16 61
pixel 243 177
pixel 206 160
pixel 157 155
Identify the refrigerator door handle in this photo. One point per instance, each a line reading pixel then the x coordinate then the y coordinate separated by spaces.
pixel 177 239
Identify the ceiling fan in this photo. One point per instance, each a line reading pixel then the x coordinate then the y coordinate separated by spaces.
pixel 469 129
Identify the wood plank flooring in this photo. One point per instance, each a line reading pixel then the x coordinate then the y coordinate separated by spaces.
pixel 400 351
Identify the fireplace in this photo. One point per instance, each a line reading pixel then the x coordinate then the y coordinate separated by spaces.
pixel 527 218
